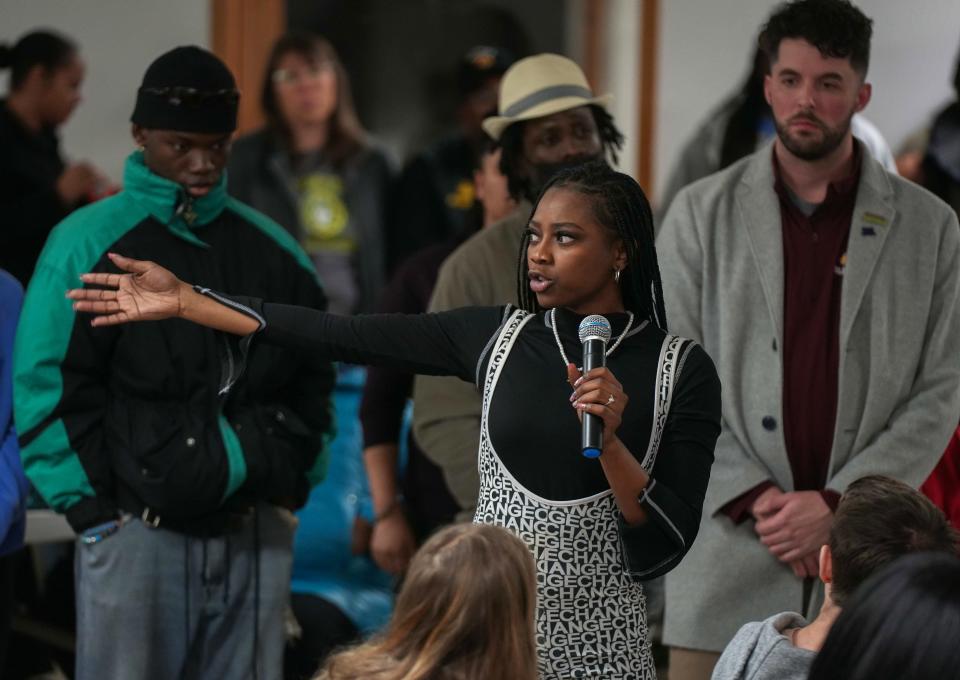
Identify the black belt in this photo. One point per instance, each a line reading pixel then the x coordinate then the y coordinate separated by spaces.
pixel 222 521
pixel 214 524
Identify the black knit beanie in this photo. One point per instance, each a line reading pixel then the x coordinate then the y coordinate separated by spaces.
pixel 188 89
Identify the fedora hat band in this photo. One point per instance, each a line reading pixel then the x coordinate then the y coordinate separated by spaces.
pixel 545 95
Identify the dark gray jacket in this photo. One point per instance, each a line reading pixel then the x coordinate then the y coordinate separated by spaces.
pixel 261 175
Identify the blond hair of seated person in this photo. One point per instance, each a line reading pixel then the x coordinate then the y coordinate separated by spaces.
pixel 466 611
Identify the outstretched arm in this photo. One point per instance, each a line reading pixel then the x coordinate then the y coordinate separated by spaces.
pixel 447 343
pixel 150 292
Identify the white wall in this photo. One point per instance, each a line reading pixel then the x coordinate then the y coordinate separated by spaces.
pixel 622 74
pixel 118 39
pixel 705 47
pixel 619 66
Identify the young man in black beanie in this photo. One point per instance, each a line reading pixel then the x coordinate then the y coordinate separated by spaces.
pixel 178 478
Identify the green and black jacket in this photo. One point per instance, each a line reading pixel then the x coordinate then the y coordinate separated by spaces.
pixel 151 415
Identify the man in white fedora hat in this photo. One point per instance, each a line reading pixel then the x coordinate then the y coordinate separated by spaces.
pixel 548 119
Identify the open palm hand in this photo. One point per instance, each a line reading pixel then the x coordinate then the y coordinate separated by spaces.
pixel 147 292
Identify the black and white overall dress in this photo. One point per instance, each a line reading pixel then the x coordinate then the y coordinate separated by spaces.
pixel 591 619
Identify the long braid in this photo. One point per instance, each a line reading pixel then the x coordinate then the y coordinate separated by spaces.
pixel 525 297
pixel 648 286
pixel 620 205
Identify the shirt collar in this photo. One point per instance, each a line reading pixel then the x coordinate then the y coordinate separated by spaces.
pixel 839 191
pixel 169 203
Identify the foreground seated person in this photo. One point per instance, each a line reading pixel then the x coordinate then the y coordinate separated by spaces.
pixel 466 611
pixel 878 520
pixel 902 623
pixel 596 526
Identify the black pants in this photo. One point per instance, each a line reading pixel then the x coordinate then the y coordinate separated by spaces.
pixel 325 628
pixel 8 567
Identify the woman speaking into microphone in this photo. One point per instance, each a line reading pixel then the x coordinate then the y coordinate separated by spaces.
pixel 597 527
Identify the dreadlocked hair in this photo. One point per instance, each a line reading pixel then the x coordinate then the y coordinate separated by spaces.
pixel 511 141
pixel 620 205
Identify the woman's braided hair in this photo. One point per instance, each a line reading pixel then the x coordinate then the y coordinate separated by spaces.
pixel 620 205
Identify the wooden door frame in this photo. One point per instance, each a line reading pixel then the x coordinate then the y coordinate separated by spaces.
pixel 593 35
pixel 242 34
pixel 647 52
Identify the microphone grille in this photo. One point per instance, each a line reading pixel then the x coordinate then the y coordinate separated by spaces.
pixel 595 326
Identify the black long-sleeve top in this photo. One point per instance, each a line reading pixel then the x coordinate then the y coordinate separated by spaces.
pixel 533 426
pixel 30 206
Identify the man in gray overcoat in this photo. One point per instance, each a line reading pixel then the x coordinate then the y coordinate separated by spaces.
pixel 826 291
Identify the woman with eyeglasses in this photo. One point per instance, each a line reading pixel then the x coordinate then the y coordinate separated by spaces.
pixel 314 169
pixel 37 188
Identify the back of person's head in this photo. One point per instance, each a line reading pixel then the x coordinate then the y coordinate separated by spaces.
pixel 878 520
pixel 619 204
pixel 45 49
pixel 466 611
pixel 904 622
pixel 835 27
pixel 318 57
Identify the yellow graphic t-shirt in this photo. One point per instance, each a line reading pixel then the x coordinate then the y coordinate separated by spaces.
pixel 324 215
pixel 330 238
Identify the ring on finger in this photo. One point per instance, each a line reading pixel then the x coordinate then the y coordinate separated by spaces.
pixel 610 399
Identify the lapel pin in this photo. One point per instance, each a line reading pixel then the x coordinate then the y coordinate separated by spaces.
pixel 873 218
pixel 841 265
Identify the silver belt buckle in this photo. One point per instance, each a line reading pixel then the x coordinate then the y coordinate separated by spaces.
pixel 153 522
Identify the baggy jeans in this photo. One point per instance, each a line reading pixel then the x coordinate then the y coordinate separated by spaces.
pixel 154 604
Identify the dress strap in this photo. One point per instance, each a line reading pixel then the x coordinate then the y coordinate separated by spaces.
pixel 501 348
pixel 672 355
pixel 508 312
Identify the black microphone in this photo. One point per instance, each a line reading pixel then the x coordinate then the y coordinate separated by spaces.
pixel 594 334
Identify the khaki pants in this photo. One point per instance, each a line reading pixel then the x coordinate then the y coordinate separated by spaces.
pixel 691 664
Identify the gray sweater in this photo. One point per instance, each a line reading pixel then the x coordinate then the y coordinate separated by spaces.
pixel 761 651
